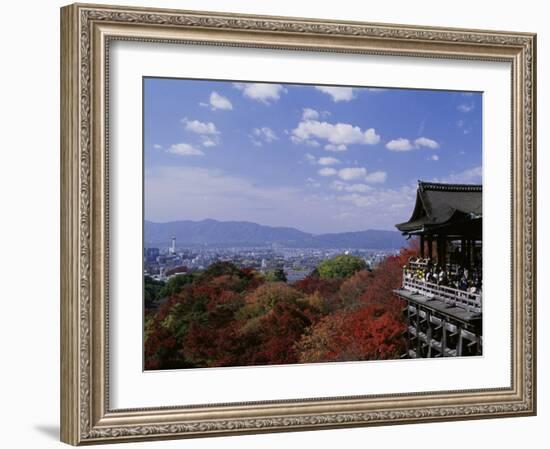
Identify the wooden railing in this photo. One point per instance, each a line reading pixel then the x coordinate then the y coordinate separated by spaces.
pixel 418 263
pixel 452 296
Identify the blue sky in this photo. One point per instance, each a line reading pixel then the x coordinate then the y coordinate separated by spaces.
pixel 317 158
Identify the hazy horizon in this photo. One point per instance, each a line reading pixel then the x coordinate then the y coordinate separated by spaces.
pixel 266 225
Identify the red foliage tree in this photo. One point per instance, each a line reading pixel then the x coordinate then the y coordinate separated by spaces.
pixel 269 339
pixel 371 332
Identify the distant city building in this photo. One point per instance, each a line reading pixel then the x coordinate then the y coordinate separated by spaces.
pixel 172 249
pixel 176 270
pixel 151 254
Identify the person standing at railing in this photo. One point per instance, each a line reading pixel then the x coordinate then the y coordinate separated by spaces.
pixel 442 278
pixel 463 284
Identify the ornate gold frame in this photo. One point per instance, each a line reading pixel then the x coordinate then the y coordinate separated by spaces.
pixel 86 31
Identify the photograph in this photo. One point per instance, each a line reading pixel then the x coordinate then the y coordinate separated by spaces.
pixel 290 223
pixel 284 220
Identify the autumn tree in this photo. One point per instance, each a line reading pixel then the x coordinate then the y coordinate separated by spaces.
pixel 372 332
pixel 189 329
pixel 273 319
pixel 354 287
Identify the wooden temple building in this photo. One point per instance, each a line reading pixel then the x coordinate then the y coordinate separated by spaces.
pixel 441 289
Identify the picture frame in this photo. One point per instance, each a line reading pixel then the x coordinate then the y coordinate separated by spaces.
pixel 87 32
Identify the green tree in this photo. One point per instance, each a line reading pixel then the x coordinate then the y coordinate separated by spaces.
pixel 175 285
pixel 276 275
pixel 341 266
pixel 151 290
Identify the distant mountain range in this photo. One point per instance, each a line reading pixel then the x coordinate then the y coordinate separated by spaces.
pixel 243 233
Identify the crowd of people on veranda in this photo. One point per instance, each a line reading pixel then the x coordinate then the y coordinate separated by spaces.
pixel 453 276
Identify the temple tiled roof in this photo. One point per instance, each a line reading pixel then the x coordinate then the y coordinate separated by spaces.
pixel 438 205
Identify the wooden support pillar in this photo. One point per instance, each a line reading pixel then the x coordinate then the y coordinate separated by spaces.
pixel 443 338
pixel 430 247
pixel 459 343
pixel 418 342
pixel 429 335
pixel 442 250
pixel 409 336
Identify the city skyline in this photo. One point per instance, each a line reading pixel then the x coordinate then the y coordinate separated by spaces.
pixel 316 158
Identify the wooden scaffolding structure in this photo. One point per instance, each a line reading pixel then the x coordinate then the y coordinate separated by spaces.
pixel 443 321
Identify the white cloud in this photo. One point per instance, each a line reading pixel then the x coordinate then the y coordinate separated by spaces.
pixel 433 157
pixel 156 146
pixel 357 174
pixel 425 142
pixel 338 135
pixel 465 107
pixel 312 143
pixel 345 187
pixel 218 101
pixel 264 133
pixel 198 127
pixel 310 158
pixel 309 142
pixel 261 92
pixel 327 171
pixel 310 114
pixel 328 161
pixel 310 182
pixel 210 141
pixel 331 147
pixel 184 149
pixel 400 144
pixel 337 93
pixel 358 200
pixel 389 205
pixel 376 177
pixel 350 173
pixel 472 175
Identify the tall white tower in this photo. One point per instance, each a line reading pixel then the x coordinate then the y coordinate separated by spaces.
pixel 173 246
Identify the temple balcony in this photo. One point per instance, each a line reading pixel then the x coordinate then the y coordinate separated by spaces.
pixel 451 297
